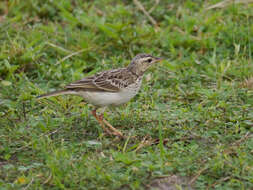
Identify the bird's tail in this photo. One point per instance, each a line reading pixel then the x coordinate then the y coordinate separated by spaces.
pixel 55 93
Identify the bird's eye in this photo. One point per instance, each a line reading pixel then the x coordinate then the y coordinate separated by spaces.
pixel 149 60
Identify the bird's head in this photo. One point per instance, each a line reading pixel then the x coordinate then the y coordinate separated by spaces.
pixel 142 62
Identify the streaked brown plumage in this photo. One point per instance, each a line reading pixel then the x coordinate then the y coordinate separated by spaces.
pixel 112 87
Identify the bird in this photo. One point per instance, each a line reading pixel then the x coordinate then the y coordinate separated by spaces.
pixel 110 88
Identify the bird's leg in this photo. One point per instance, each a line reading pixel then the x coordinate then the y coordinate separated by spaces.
pixel 115 131
pixel 94 113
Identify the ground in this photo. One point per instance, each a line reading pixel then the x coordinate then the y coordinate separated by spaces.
pixel 190 126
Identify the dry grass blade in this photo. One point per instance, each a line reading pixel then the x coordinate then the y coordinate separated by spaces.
pixel 219 181
pixel 197 175
pixel 28 184
pixel 248 83
pixel 48 179
pixel 184 33
pixel 227 3
pixel 244 138
pixel 72 54
pixel 58 47
pixel 141 7
pixel 143 143
pixel 153 8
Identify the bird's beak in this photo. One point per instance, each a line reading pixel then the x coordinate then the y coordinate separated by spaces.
pixel 158 59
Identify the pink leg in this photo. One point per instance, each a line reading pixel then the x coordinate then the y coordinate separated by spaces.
pixel 94 113
pixel 114 131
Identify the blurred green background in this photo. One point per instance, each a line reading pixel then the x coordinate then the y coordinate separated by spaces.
pixel 192 119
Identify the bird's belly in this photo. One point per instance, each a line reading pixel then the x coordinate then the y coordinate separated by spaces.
pixel 102 99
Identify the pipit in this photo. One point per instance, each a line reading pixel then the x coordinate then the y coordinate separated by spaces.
pixel 110 88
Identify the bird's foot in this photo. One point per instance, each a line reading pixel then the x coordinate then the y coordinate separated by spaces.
pixel 112 129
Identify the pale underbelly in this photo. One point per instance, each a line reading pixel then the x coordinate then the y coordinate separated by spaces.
pixel 102 99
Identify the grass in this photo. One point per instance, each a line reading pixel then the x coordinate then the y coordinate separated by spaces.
pixel 192 117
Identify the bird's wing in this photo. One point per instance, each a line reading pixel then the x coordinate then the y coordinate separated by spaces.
pixel 106 81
